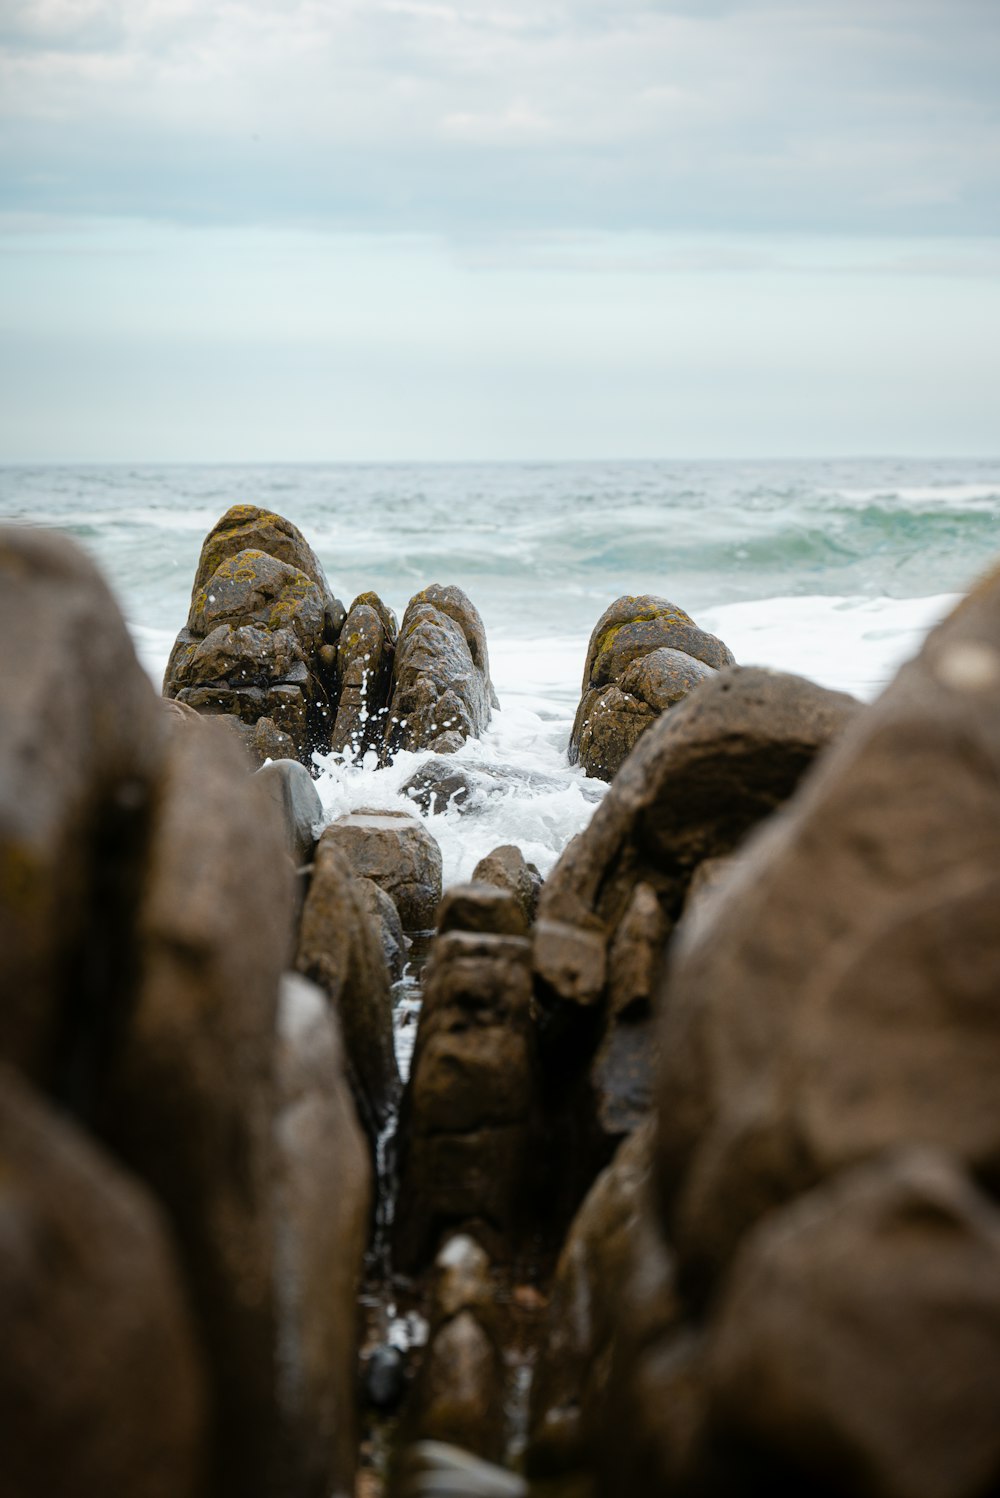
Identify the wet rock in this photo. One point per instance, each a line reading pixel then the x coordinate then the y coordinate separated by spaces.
pixel 433 1469
pixel 442 783
pixel 385 1377
pixel 857 1345
pixel 256 642
pixel 101 1385
pixel 385 918
pixel 323 1197
pixel 365 654
pixel 189 1102
pixel 441 688
pixel 459 1394
pixel 506 868
pixel 645 654
pixel 264 741
pixel 482 907
pixel 340 949
pixel 82 742
pixel 836 997
pixel 397 852
pixel 468 1110
pixel 294 792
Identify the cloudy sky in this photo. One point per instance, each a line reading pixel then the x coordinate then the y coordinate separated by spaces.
pixel 395 229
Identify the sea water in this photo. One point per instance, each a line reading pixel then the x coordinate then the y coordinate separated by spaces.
pixel 833 570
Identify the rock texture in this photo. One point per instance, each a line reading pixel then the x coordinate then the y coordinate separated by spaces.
pixel 365 653
pixel 506 868
pixel 441 688
pixel 398 854
pixel 261 617
pixel 644 655
pixel 291 787
pixel 101 1384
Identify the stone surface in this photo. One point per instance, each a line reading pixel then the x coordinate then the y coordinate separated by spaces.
pixel 482 907
pixel 323 1189
pixel 468 1110
pixel 459 1392
pixel 441 688
pixel 340 949
pixel 101 1385
pixel 365 653
pixel 836 995
pixel 385 918
pixel 248 527
pixel 190 1102
pixel 645 654
pixel 397 852
pixel 857 1344
pixel 82 741
pixel 294 792
pixel 505 867
pixel 468 788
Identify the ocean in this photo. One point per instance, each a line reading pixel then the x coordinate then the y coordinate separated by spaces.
pixel 834 570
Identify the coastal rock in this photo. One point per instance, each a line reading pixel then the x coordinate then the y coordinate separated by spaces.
pixel 644 655
pixel 258 635
pixel 82 744
pixel 468 1110
pixel 442 783
pixel 189 1102
pixel 365 652
pixel 441 688
pixel 506 868
pixel 482 907
pixel 856 1348
pixel 294 792
pixel 323 1188
pixel 398 853
pixel 384 917
pixel 340 949
pixel 101 1385
pixel 836 996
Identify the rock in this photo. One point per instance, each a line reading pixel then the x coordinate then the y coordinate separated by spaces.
pixel 82 743
pixel 294 792
pixel 857 1344
pixel 385 1377
pixel 323 1188
pixel 101 1384
pixel 836 996
pixel 433 1469
pixel 385 918
pixel 459 1393
pixel 506 868
pixel 340 949
pixel 398 853
pixel 262 619
pixel 441 784
pixel 441 688
pixel 365 654
pixel 482 907
pixel 645 654
pixel 468 1110
pixel 189 1102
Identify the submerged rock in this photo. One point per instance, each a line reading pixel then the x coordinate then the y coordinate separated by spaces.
pixel 397 852
pixel 441 688
pixel 645 654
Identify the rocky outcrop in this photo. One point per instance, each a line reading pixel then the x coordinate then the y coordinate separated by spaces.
pixel 398 854
pixel 468 1110
pixel 441 688
pixel 482 907
pixel 259 638
pixel 645 654
pixel 365 653
pixel 82 742
pixel 506 868
pixel 323 1190
pixel 101 1384
pixel 340 949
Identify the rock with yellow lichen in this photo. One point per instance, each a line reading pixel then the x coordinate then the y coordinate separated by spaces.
pixel 441 688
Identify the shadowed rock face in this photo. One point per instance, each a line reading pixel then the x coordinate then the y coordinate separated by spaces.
pixel 398 854
pixel 645 654
pixel 365 653
pixel 261 630
pixel 441 688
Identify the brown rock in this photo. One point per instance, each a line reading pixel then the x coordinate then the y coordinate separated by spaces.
pixel 385 918
pixel 468 1108
pixel 82 741
pixel 365 653
pixel 505 867
pixel 190 1100
pixel 398 853
pixel 323 1187
pixel 482 907
pixel 459 1393
pixel 836 996
pixel 340 949
pixel 857 1345
pixel 294 792
pixel 101 1383
pixel 441 688
pixel 248 527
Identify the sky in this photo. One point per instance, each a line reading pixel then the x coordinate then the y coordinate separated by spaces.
pixel 307 230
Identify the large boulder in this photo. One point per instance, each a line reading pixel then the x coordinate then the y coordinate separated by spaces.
pixel 644 655
pixel 82 741
pixel 856 1348
pixel 323 1188
pixel 293 790
pixel 102 1388
pixel 341 950
pixel 506 868
pixel 398 854
pixel 260 634
pixel 365 653
pixel 836 994
pixel 469 1108
pixel 441 687
pixel 190 1100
